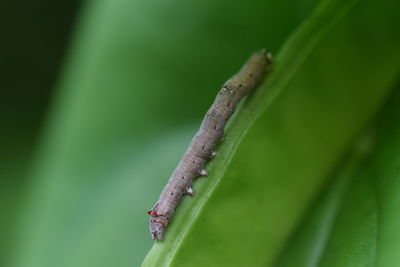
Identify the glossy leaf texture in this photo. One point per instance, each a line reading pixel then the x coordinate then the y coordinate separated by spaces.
pixel 328 83
pixel 355 223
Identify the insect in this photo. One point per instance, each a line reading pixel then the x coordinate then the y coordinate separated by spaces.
pixel 201 147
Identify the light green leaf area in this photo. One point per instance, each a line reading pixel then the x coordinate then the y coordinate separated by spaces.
pixel 328 82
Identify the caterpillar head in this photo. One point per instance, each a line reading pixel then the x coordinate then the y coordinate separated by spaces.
pixel 158 223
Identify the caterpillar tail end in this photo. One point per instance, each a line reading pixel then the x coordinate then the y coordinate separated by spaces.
pixel 267 54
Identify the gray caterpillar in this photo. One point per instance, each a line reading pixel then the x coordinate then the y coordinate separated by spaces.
pixel 201 147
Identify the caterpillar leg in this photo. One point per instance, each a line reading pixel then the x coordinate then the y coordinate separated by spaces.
pixel 203 173
pixel 190 192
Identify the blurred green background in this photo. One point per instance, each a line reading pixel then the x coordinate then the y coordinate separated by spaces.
pixel 34 38
pixel 100 99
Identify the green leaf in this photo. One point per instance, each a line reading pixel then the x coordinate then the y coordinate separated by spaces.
pixel 384 170
pixel 356 225
pixel 328 82
pixel 342 197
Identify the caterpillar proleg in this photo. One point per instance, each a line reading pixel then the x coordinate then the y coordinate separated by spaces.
pixel 201 147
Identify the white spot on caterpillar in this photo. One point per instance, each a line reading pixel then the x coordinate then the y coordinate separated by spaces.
pixel 203 172
pixel 201 148
pixel 190 191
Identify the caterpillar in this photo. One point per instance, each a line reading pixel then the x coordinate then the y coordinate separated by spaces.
pixel 201 147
